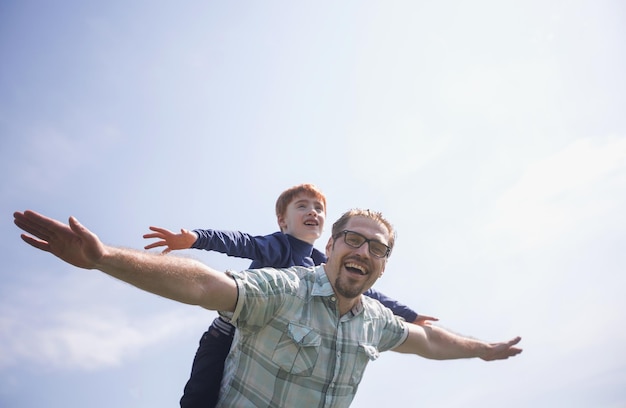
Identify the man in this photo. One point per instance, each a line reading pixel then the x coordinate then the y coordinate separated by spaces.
pixel 304 335
pixel 301 216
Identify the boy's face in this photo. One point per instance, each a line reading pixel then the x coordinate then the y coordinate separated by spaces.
pixel 304 218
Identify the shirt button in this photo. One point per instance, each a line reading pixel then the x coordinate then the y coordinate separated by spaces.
pixel 333 298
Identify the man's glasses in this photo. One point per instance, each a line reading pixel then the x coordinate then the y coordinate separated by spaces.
pixel 356 240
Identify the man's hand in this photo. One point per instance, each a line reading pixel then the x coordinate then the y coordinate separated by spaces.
pixel 502 351
pixel 72 243
pixel 172 241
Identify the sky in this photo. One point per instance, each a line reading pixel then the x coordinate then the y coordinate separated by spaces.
pixel 492 135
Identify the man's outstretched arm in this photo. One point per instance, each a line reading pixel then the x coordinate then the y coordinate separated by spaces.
pixel 439 344
pixel 181 279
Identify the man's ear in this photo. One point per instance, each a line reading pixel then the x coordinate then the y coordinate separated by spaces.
pixel 329 246
pixel 383 270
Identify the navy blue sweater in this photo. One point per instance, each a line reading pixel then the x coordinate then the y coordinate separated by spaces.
pixel 280 250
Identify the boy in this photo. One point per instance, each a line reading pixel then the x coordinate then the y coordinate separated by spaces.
pixel 300 212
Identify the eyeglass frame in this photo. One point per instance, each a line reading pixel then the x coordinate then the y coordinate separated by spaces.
pixel 365 240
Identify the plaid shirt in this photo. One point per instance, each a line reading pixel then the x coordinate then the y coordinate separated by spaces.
pixel 292 349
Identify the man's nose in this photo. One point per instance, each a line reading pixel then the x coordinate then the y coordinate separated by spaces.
pixel 364 250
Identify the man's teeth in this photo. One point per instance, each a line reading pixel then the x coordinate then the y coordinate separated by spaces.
pixel 357 267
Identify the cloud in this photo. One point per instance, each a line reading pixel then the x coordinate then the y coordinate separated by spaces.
pixel 74 328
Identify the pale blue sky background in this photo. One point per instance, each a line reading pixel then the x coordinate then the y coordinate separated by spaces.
pixel 492 134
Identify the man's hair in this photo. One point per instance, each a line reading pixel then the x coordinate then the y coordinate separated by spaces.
pixel 287 196
pixel 340 224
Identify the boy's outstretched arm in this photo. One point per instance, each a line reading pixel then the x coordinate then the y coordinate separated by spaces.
pixel 170 240
pixel 400 309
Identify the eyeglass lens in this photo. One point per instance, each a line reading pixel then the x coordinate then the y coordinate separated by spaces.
pixel 355 240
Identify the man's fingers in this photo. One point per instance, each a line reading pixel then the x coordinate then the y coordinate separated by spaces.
pixel 511 351
pixel 37 243
pixel 76 226
pixel 514 341
pixel 504 350
pixel 30 225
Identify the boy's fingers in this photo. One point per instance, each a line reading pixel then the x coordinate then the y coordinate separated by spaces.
pixel 155 244
pixel 159 230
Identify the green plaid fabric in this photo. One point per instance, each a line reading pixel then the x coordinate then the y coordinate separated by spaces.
pixel 292 349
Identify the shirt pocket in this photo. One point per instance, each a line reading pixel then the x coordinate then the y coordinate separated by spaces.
pixel 365 354
pixel 297 350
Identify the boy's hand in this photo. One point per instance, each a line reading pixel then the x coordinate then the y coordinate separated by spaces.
pixel 172 241
pixel 424 320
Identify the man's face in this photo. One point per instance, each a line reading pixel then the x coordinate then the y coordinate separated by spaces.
pixel 304 218
pixel 350 270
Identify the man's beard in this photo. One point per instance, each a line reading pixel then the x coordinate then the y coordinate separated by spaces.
pixel 347 291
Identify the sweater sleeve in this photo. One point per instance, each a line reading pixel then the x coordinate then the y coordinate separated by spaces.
pixel 396 307
pixel 268 250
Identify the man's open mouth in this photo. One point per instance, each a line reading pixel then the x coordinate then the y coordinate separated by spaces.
pixel 355 268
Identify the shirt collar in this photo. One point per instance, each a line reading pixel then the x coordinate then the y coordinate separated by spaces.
pixel 323 288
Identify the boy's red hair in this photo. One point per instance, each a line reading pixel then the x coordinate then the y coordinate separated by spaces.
pixel 288 195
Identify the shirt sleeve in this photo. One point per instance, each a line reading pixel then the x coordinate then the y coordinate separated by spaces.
pixel 266 250
pixel 261 292
pixel 396 307
pixel 392 330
